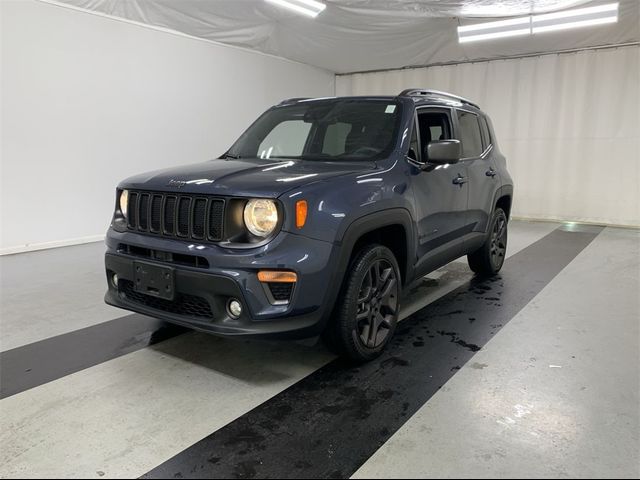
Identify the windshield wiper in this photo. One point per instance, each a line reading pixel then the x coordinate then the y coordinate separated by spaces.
pixel 231 155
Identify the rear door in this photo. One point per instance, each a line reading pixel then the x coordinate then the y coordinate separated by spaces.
pixel 477 153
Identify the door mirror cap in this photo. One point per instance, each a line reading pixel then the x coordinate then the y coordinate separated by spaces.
pixel 443 151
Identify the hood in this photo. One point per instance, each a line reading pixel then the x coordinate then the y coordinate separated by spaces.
pixel 251 177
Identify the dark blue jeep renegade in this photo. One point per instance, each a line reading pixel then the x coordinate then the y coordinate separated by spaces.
pixel 314 220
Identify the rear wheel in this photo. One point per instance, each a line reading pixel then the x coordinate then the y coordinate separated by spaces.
pixel 369 304
pixel 489 258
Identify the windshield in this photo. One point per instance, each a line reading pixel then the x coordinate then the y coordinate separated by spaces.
pixel 336 129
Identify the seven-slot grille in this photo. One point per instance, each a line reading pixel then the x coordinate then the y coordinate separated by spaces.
pixel 192 217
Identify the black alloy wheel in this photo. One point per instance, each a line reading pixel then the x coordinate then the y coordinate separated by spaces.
pixel 377 303
pixel 489 258
pixel 498 248
pixel 367 310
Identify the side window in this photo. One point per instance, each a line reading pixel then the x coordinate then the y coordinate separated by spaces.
pixel 434 126
pixel 470 135
pixel 486 136
pixel 286 139
pixel 335 138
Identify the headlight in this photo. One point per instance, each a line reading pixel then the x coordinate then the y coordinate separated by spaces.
pixel 261 217
pixel 124 201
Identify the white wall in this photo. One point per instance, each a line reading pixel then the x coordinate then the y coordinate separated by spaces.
pixel 569 125
pixel 87 100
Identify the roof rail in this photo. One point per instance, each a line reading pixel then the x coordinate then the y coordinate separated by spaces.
pixel 422 92
pixel 293 100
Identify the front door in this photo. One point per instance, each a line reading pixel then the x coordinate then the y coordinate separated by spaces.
pixel 440 193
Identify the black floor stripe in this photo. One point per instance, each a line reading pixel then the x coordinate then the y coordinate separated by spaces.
pixel 41 362
pixel 328 424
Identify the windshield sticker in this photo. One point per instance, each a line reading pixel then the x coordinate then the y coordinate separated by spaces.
pixel 390 109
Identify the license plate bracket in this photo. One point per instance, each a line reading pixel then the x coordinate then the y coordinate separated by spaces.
pixel 154 280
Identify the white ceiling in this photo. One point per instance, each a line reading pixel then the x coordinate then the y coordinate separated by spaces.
pixel 357 35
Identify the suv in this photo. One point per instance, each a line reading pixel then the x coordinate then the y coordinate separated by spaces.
pixel 315 220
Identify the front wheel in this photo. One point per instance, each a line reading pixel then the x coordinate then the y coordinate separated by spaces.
pixel 367 314
pixel 489 258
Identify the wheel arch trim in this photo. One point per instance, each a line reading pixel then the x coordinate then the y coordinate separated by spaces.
pixel 374 221
pixel 503 191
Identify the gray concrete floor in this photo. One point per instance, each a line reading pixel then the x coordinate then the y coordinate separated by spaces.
pixel 555 393
pixel 50 292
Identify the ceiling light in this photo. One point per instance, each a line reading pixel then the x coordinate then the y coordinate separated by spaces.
pixel 575 18
pixel 579 17
pixel 306 7
pixel 501 28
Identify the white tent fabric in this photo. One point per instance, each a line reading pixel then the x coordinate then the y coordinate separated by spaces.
pixel 356 35
pixel 569 125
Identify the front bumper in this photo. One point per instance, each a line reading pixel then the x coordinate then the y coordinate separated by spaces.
pixel 202 294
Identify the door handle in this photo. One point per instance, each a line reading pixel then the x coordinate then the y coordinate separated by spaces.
pixel 491 173
pixel 459 180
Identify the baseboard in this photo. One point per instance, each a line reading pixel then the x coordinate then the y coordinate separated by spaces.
pixel 584 222
pixel 32 247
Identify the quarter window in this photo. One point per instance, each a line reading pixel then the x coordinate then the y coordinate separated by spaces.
pixel 470 135
pixel 486 136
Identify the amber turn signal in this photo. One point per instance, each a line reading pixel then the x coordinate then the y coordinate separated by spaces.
pixel 301 213
pixel 277 276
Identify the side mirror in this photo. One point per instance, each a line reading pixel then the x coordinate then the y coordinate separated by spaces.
pixel 443 151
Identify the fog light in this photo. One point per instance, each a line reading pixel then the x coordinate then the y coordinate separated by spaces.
pixel 114 280
pixel 235 308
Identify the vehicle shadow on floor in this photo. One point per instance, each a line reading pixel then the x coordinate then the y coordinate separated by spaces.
pixel 263 362
pixel 257 362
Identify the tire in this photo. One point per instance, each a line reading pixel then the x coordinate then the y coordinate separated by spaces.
pixel 370 297
pixel 489 258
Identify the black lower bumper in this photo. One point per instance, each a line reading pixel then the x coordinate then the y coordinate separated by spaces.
pixel 200 302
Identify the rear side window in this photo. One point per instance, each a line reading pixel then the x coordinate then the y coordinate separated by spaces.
pixel 470 135
pixel 486 135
